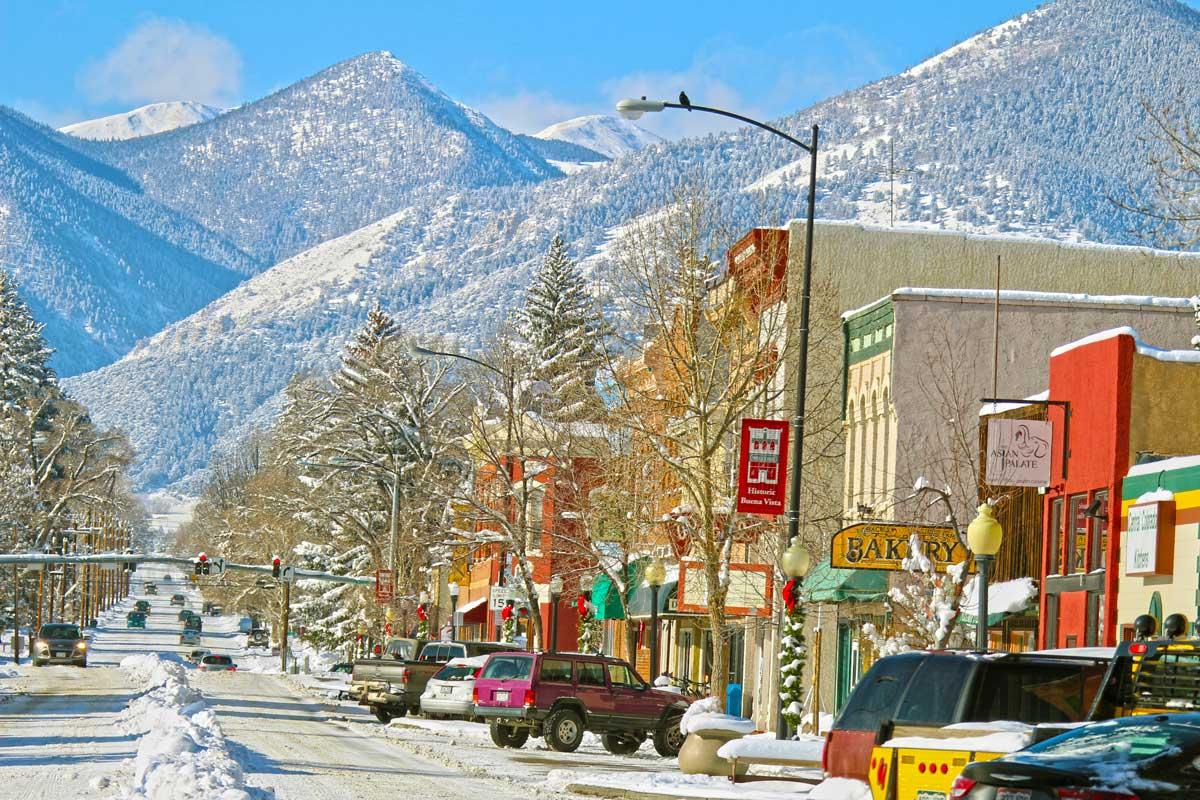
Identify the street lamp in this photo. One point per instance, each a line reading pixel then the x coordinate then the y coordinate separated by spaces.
pixel 984 536
pixel 556 587
pixel 656 576
pixel 452 588
pixel 795 563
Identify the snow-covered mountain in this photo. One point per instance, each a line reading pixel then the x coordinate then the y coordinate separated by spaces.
pixel 322 157
pixel 1028 128
pixel 101 264
pixel 607 135
pixel 154 118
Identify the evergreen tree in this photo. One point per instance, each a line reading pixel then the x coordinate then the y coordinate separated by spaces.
pixel 24 354
pixel 563 329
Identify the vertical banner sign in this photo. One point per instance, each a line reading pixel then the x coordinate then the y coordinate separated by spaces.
pixel 762 467
pixel 385 585
pixel 1018 452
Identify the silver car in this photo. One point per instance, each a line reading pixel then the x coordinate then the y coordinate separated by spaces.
pixel 217 663
pixel 448 692
pixel 189 636
pixel 60 643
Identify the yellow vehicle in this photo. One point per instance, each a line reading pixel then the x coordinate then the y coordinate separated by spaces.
pixel 1147 676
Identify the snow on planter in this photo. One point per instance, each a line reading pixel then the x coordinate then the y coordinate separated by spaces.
pixel 181 754
pixel 765 745
pixel 706 715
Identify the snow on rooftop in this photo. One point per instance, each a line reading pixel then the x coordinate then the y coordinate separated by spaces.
pixel 1165 465
pixel 998 408
pixel 1022 297
pixel 1143 349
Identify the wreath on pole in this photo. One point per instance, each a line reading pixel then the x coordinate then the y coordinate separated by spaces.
pixel 793 653
pixel 422 621
pixel 508 627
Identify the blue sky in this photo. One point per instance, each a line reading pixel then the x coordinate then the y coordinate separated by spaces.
pixel 66 60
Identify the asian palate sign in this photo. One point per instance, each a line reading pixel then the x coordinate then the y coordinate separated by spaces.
pixel 884 545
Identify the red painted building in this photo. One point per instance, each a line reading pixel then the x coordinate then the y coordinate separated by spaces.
pixel 1121 400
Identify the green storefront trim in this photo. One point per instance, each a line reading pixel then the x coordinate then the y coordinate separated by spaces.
pixel 1186 479
pixel 828 584
pixel 865 335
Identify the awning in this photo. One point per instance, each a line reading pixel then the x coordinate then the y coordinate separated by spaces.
pixel 639 600
pixel 829 584
pixel 607 598
pixel 472 613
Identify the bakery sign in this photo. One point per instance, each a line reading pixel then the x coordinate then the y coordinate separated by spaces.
pixel 885 545
pixel 1149 539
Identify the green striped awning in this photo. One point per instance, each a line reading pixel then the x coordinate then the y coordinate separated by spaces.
pixel 829 584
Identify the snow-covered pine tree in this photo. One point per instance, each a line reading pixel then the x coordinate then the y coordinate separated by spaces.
pixel 24 354
pixel 563 328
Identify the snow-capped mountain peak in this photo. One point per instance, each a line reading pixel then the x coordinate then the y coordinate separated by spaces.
pixel 610 136
pixel 154 118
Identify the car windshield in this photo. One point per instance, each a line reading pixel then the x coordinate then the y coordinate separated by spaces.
pixel 60 632
pixel 220 661
pixel 455 673
pixel 508 668
pixel 1129 739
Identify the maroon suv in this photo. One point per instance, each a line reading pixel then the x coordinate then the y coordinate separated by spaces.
pixel 561 695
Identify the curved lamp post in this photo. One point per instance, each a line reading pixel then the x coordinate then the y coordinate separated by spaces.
pixel 984 536
pixel 656 576
pixel 556 587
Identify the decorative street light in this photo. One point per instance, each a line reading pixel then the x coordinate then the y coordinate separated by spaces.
pixel 452 588
pixel 556 587
pixel 656 576
pixel 634 109
pixel 984 536
pixel 795 562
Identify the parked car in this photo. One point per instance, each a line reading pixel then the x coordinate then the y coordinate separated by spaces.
pixel 193 623
pixel 143 606
pixel 393 685
pixel 198 654
pixel 135 619
pixel 216 663
pixel 188 636
pixel 151 588
pixel 259 637
pixel 245 625
pixel 448 693
pixel 1144 757
pixel 60 643
pixel 558 696
pixel 343 666
pixel 185 614
pixel 935 689
pixel 215 611
pixel 206 606
pixel 178 600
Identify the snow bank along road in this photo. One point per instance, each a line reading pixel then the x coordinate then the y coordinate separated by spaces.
pixel 59 739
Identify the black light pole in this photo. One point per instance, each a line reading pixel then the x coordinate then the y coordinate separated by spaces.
pixel 632 109
pixel 655 575
pixel 556 587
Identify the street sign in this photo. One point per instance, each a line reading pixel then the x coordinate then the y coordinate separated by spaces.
pixel 762 466
pixel 385 585
pixel 884 545
pixel 288 575
pixel 500 595
pixel 218 566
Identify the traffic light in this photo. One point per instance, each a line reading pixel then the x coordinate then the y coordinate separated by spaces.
pixel 202 565
pixel 275 567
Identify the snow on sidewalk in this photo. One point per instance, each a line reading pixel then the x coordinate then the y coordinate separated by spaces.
pixel 182 754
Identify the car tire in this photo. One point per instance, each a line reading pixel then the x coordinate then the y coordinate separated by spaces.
pixel 382 714
pixel 564 730
pixel 507 735
pixel 668 738
pixel 620 744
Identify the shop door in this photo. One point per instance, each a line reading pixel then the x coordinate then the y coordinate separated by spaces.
pixel 844 663
pixel 1072 619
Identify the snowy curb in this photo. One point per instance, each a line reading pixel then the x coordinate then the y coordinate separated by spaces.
pixel 181 754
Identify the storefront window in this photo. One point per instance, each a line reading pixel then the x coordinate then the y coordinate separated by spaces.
pixel 1055 539
pixel 1077 543
pixel 1100 533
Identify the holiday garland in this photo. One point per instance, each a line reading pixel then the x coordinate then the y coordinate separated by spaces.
pixel 422 622
pixel 793 652
pixel 589 626
pixel 508 628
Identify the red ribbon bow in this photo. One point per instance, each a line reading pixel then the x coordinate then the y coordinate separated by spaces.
pixel 791 595
pixel 506 613
pixel 422 614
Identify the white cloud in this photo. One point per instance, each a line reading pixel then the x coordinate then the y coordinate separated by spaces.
pixel 529 112
pixel 163 59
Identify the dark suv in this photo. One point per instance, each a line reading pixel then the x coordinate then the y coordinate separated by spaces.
pixel 561 695
pixel 60 643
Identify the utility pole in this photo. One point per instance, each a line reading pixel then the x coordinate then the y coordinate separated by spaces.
pixel 16 576
pixel 283 621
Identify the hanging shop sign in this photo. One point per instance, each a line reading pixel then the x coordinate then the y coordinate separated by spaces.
pixel 1018 452
pixel 385 585
pixel 749 593
pixel 1150 539
pixel 762 466
pixel 883 545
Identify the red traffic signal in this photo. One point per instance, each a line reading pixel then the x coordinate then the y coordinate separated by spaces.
pixel 203 557
pixel 275 567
